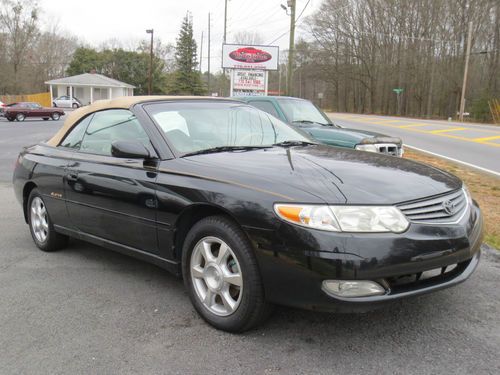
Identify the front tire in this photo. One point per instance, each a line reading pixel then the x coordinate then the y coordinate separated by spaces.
pixel 56 116
pixel 41 228
pixel 222 276
pixel 20 117
pixel 75 106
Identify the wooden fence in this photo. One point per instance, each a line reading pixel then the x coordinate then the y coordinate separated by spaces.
pixel 43 98
pixel 495 110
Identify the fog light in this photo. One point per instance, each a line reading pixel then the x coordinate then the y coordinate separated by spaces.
pixel 352 288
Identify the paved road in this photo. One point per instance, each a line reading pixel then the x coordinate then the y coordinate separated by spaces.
pixel 470 143
pixel 15 135
pixel 86 310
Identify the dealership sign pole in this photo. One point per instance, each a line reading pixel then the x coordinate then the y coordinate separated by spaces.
pixel 249 67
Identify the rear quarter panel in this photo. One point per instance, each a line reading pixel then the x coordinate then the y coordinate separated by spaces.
pixel 45 167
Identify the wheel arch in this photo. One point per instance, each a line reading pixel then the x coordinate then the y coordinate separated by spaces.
pixel 190 216
pixel 27 189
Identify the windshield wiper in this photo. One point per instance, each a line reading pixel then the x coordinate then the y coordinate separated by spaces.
pixel 312 122
pixel 293 143
pixel 223 149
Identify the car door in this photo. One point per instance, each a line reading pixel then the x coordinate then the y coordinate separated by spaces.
pixel 108 197
pixel 63 101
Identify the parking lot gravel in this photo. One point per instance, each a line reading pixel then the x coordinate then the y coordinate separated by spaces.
pixel 87 310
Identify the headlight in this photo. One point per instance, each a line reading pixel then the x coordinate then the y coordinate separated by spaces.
pixel 344 218
pixel 369 148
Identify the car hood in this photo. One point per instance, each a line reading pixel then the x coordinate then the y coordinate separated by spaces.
pixel 325 133
pixel 325 174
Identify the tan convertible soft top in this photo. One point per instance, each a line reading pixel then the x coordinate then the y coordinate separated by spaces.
pixel 124 102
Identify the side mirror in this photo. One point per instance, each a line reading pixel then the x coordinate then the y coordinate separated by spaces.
pixel 129 150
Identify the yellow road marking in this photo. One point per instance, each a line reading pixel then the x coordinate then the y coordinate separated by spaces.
pixel 487 138
pixel 412 125
pixel 446 130
pixel 444 135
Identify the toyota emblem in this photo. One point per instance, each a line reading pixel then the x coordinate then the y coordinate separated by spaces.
pixel 449 207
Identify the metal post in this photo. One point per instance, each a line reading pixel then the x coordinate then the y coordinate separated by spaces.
pixel 150 73
pixel 208 79
pixel 225 20
pixel 291 4
pixel 466 68
pixel 201 52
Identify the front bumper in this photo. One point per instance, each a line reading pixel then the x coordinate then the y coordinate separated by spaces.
pixel 294 262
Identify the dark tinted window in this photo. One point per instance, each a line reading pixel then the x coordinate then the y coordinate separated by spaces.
pixel 265 106
pixel 109 126
pixel 75 136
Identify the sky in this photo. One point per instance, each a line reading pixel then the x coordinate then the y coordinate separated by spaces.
pixel 97 21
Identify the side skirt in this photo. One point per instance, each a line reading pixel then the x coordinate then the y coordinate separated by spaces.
pixel 169 265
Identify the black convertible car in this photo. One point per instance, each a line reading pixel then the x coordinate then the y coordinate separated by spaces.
pixel 250 211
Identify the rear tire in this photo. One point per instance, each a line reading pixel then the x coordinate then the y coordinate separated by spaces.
pixel 54 105
pixel 56 116
pixel 20 117
pixel 75 106
pixel 10 119
pixel 41 227
pixel 212 277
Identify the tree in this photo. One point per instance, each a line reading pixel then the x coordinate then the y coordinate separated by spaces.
pixel 248 37
pixel 19 21
pixel 126 66
pixel 187 79
pixel 85 60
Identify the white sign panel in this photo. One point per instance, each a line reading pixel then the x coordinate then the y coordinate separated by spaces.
pixel 243 56
pixel 249 80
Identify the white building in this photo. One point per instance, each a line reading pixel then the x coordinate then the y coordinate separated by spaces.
pixel 89 87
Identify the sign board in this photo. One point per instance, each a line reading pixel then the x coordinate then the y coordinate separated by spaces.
pixel 249 80
pixel 398 91
pixel 243 56
pixel 320 95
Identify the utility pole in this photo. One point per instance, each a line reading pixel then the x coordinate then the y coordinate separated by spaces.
pixel 208 79
pixel 150 73
pixel 201 52
pixel 292 5
pixel 225 20
pixel 466 68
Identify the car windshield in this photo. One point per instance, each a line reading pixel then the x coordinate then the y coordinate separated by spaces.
pixel 191 127
pixel 297 110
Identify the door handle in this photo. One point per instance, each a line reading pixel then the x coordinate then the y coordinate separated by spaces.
pixel 73 177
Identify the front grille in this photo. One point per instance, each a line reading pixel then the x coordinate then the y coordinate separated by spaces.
pixel 388 149
pixel 446 208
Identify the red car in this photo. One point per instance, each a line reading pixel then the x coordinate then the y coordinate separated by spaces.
pixel 19 111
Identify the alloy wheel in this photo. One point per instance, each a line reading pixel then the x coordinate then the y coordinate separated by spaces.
pixel 216 276
pixel 39 219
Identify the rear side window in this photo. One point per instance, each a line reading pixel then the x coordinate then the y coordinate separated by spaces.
pixel 109 126
pixel 74 138
pixel 266 107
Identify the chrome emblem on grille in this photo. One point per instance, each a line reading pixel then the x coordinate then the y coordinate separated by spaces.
pixel 449 207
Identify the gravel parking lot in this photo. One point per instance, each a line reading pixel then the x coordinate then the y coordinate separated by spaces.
pixel 87 310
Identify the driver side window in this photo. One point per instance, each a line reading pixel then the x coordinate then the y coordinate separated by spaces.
pixel 109 126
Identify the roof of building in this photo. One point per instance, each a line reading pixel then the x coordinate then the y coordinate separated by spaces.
pixel 124 102
pixel 89 79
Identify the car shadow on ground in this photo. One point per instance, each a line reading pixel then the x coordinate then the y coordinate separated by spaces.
pixel 410 314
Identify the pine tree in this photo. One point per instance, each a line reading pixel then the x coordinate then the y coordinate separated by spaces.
pixel 187 79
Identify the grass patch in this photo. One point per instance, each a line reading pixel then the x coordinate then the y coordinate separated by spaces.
pixel 485 189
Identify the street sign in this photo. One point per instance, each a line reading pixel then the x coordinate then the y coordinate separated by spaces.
pixel 254 80
pixel 243 56
pixel 398 91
